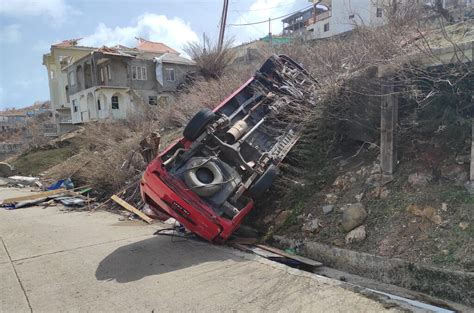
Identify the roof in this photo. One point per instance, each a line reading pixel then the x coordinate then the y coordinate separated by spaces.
pixel 156 47
pixel 175 59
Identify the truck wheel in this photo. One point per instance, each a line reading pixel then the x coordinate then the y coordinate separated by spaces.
pixel 197 124
pixel 204 177
pixel 263 182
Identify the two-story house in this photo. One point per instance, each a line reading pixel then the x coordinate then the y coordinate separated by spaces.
pixel 110 82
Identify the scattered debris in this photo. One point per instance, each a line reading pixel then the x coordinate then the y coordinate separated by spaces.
pixel 444 207
pixel 281 218
pixel 33 196
pixel 24 180
pixel 132 209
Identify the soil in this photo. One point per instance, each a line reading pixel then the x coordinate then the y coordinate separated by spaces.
pixel 430 223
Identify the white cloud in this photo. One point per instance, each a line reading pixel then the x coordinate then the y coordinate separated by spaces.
pixel 261 10
pixel 173 32
pixel 57 10
pixel 10 34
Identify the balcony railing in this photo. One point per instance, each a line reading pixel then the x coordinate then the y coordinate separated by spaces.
pixel 319 17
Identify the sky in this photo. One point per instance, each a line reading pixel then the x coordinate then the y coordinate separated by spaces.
pixel 29 27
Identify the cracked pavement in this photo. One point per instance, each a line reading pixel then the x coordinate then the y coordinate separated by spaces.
pixel 55 260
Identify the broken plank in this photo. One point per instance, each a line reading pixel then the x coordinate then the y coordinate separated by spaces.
pixel 291 256
pixel 132 209
pixel 35 196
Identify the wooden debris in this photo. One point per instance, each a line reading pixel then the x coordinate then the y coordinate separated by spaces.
pixel 290 256
pixel 132 209
pixel 35 196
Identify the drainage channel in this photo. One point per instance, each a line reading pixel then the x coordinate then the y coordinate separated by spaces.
pixel 388 294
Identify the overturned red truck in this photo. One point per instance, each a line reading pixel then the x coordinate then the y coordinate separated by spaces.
pixel 229 156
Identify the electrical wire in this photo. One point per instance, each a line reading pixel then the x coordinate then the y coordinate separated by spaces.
pixel 255 10
pixel 271 19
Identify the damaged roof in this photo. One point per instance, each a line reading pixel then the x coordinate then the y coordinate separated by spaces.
pixel 152 46
pixel 174 58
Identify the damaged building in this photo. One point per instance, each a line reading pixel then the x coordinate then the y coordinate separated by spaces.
pixel 109 82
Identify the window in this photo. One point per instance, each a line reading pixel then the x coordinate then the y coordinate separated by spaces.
pixel 139 73
pixel 351 16
pixel 98 105
pixel 102 76
pixel 170 74
pixel 379 12
pixel 115 103
pixel 74 105
pixel 109 73
pixel 152 100
pixel 326 27
pixel 72 80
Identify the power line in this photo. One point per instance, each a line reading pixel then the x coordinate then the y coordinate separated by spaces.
pixel 272 19
pixel 265 9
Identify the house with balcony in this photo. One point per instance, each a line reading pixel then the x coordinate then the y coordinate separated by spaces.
pixel 111 82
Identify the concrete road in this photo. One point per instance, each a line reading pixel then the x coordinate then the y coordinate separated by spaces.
pixel 57 260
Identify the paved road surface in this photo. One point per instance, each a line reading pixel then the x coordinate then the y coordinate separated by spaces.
pixel 55 260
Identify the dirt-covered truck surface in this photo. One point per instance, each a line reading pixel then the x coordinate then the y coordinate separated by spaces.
pixel 228 157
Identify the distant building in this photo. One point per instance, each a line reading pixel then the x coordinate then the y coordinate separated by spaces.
pixel 110 82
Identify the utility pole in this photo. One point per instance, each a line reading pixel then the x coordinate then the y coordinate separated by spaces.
pixel 223 22
pixel 270 39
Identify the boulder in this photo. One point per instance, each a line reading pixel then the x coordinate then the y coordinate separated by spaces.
pixel 353 216
pixel 6 170
pixel 356 235
pixel 420 178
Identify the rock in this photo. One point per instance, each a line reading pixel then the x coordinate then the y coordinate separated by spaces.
pixel 376 169
pixel 444 207
pixel 328 208
pixel 427 212
pixel 455 173
pixel 356 235
pixel 463 225
pixel 281 218
pixel 353 216
pixel 6 170
pixel 359 197
pixel 384 192
pixel 311 226
pixel 339 242
pixel 331 198
pixel 420 179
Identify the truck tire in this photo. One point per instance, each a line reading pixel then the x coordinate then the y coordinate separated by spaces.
pixel 198 124
pixel 263 182
pixel 203 176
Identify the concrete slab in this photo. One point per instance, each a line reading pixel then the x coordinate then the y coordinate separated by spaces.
pixel 156 274
pixel 12 298
pixel 82 261
pixel 34 231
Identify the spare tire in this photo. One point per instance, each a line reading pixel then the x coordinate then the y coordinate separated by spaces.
pixel 203 176
pixel 263 182
pixel 197 124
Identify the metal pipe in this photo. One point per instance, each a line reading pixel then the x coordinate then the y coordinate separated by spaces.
pixel 251 130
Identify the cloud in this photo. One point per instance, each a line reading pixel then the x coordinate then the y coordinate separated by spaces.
pixel 10 34
pixel 174 32
pixel 261 10
pixel 57 10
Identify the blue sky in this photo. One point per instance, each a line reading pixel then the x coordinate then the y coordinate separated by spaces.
pixel 29 27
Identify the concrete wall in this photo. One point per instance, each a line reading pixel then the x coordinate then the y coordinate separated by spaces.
pixel 88 108
pixel 58 80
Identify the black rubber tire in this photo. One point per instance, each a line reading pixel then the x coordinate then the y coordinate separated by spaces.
pixel 245 231
pixel 263 182
pixel 198 124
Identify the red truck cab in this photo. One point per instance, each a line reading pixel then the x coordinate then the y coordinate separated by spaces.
pixel 227 157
